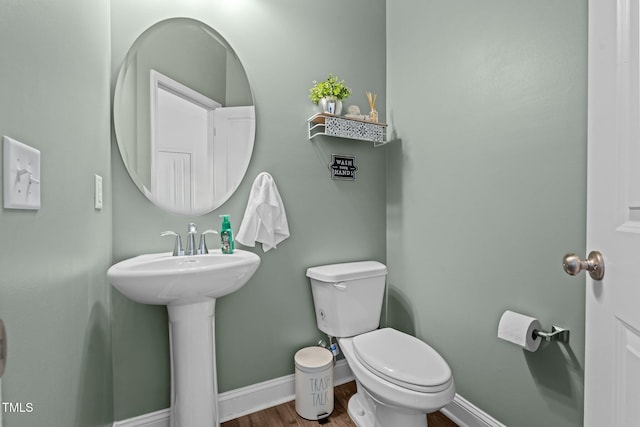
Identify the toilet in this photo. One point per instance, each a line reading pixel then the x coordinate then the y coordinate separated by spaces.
pixel 399 378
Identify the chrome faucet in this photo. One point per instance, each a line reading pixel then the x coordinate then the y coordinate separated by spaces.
pixel 192 230
pixel 191 239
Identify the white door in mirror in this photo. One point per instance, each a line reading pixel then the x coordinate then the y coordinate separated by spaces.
pixel 21 175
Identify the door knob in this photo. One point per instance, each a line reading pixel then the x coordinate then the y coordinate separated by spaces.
pixel 594 264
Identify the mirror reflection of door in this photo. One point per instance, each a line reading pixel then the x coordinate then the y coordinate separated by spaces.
pixel 233 136
pixel 182 146
pixel 197 146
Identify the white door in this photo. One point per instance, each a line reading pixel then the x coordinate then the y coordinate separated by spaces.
pixel 173 186
pixel 182 130
pixel 612 365
pixel 233 143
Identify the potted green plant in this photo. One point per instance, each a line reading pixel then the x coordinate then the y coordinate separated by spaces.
pixel 329 93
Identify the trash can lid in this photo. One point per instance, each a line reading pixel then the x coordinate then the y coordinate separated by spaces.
pixel 313 358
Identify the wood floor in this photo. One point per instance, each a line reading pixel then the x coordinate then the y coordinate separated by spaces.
pixel 285 415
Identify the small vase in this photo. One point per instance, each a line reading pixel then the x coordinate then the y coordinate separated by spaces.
pixel 331 105
pixel 373 116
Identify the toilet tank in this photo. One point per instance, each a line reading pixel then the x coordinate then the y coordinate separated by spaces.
pixel 348 296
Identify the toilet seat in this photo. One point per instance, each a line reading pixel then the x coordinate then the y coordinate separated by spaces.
pixel 403 360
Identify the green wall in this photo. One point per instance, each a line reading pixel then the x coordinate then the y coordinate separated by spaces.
pixel 472 205
pixel 284 46
pixel 486 192
pixel 54 296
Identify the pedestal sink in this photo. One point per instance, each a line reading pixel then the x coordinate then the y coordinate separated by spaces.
pixel 188 286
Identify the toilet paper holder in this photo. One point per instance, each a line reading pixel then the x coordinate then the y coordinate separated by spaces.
pixel 557 334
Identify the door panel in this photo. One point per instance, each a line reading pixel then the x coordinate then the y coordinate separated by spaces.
pixel 612 357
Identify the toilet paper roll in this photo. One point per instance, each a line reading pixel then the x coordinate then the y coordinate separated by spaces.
pixel 518 329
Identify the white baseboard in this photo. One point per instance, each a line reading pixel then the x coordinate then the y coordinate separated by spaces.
pixel 246 400
pixel 154 419
pixel 466 414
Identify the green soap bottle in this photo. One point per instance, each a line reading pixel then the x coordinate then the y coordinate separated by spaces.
pixel 226 235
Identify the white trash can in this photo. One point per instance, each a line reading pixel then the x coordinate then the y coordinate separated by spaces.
pixel 314 382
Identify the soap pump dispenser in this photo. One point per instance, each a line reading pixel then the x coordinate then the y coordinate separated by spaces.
pixel 226 235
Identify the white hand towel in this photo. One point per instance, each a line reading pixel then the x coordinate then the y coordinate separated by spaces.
pixel 265 220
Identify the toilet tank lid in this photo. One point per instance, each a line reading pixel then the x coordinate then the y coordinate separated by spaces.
pixel 347 271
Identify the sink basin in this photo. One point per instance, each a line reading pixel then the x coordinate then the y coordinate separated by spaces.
pixel 163 279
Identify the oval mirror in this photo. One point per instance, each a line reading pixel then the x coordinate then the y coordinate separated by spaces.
pixel 184 116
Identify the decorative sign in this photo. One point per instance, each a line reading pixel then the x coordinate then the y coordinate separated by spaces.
pixel 343 167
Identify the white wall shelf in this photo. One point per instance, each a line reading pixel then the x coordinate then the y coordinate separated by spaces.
pixel 342 127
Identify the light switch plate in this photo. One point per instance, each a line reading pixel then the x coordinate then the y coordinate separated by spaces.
pixel 98 192
pixel 21 168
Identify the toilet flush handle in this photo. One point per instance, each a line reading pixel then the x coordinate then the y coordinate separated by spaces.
pixel 341 286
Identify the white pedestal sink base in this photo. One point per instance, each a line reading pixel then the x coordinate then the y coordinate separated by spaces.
pixel 194 389
pixel 188 286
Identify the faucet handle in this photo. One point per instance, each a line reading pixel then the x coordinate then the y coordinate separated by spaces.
pixel 202 247
pixel 177 247
pixel 191 228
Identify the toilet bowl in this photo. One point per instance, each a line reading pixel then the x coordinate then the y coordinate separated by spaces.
pixel 399 378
